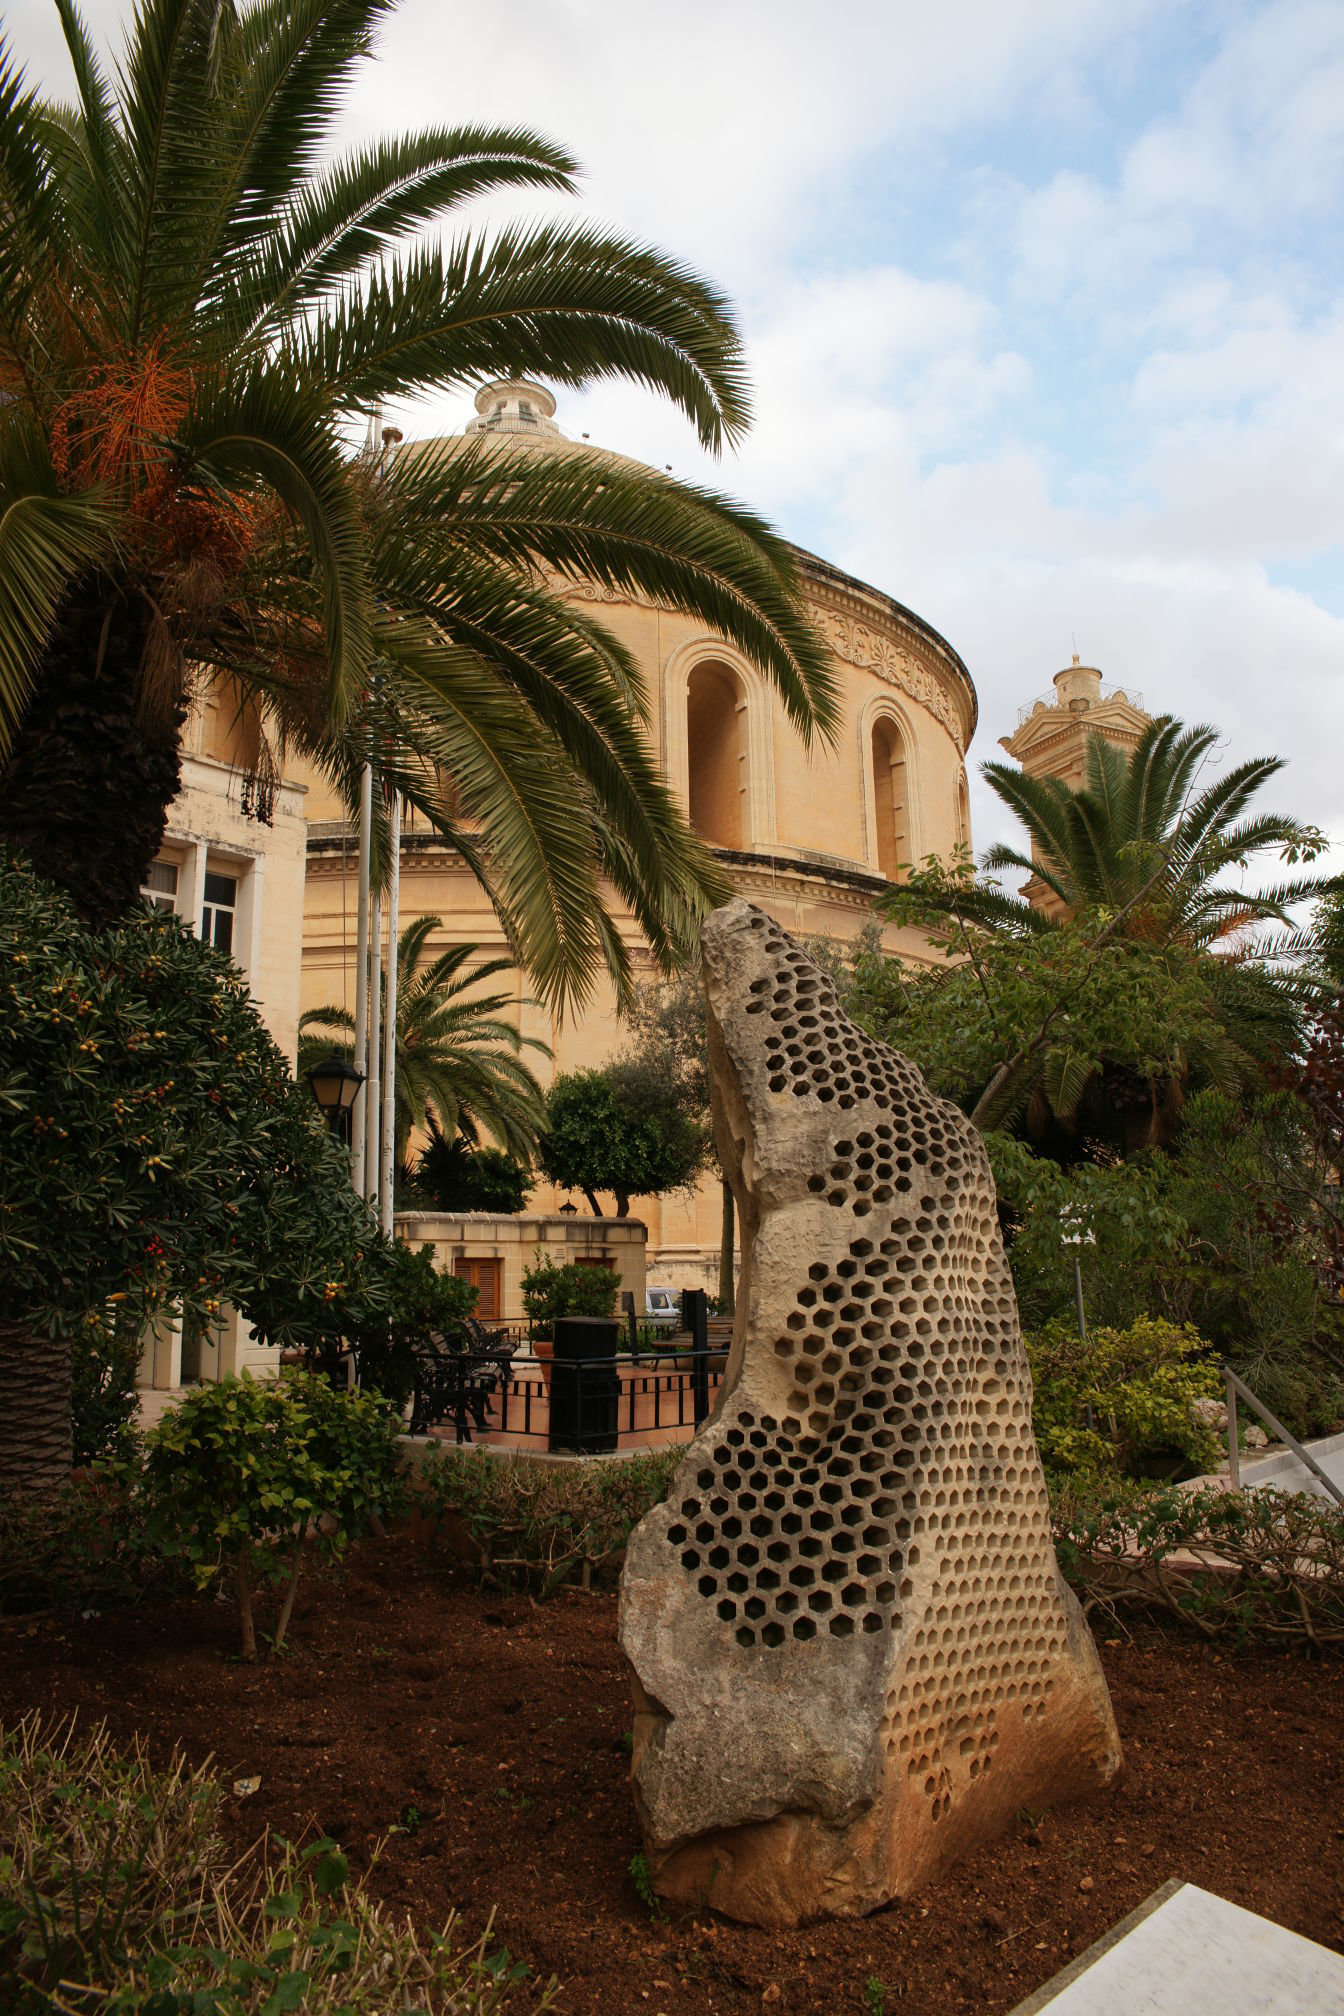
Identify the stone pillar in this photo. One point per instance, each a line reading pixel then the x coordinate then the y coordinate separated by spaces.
pixel 853 1654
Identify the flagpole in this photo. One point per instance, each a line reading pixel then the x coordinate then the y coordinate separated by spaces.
pixel 359 1119
pixel 373 1083
pixel 389 1116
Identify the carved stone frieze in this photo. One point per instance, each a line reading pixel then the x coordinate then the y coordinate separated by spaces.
pixel 857 644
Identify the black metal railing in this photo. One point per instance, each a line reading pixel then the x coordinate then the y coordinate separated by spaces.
pixel 586 1405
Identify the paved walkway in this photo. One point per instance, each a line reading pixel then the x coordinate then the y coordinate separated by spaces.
pixel 155 1402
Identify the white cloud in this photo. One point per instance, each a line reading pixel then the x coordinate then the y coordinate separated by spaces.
pixel 1044 306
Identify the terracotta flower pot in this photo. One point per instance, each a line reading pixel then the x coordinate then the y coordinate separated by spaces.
pixel 543 1350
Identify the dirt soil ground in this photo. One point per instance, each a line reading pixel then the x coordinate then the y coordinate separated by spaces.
pixel 492 1732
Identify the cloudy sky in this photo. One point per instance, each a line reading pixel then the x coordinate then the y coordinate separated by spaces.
pixel 1043 301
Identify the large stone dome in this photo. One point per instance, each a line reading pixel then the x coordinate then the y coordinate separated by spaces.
pixel 811 837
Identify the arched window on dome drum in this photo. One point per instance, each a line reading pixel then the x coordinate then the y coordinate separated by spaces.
pixel 716 755
pixel 963 811
pixel 891 799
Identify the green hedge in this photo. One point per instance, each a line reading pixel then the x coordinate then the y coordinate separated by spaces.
pixel 1255 1566
pixel 537 1525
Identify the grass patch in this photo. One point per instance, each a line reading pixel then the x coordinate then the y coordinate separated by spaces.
pixel 117 1895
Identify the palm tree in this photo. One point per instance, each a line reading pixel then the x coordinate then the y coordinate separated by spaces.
pixel 459 1063
pixel 199 308
pixel 1139 839
pixel 1139 854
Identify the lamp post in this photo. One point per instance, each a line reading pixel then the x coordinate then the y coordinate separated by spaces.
pixel 1076 1233
pixel 335 1085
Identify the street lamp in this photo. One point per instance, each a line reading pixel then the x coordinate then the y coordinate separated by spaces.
pixel 1076 1232
pixel 335 1084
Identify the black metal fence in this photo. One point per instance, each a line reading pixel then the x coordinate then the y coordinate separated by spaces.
pixel 589 1406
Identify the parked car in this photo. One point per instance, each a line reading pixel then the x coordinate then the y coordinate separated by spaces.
pixel 662 1308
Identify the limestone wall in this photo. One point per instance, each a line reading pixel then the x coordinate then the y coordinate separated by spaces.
pixel 516 1242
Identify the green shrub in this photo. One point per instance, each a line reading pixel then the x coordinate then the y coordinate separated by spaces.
pixel 550 1292
pixel 104 1401
pixel 118 1895
pixel 541 1524
pixel 416 1300
pixel 1262 1566
pixel 1140 1384
pixel 86 1544
pixel 251 1477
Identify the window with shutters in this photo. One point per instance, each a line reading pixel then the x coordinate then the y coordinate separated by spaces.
pixel 716 753
pixel 484 1276
pixel 891 799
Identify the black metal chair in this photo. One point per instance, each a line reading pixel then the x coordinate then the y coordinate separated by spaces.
pixel 457 1381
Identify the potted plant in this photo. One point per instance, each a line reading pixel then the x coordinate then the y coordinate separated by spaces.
pixel 550 1292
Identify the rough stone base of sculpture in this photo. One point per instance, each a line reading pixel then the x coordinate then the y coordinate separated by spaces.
pixel 854 1657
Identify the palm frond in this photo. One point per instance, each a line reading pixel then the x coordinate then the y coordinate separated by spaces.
pixel 257 428
pixel 338 223
pixel 46 541
pixel 561 302
pixel 539 855
pixel 1041 803
pixel 589 519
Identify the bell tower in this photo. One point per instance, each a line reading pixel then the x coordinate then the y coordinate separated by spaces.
pixel 1052 734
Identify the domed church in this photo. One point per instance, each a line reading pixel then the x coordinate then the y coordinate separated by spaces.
pixel 812 838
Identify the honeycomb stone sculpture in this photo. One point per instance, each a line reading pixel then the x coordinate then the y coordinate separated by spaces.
pixel 853 1654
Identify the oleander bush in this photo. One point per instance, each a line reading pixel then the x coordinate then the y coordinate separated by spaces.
pixel 1255 1566
pixel 250 1479
pixel 118 1896
pixel 156 1159
pixel 537 1525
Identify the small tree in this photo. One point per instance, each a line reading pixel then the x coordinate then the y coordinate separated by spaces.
pixel 624 1129
pixel 248 1479
pixel 672 1041
pixel 460 1067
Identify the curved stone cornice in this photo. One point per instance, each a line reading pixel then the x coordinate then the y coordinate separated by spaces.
pixel 864 627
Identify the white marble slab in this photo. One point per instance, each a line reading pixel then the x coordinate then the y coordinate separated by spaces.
pixel 1188 1953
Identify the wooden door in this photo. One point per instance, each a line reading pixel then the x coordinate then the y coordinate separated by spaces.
pixel 484 1276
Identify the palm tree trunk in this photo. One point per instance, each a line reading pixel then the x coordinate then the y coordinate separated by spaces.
pixel 727 1241
pixel 36 1450
pixel 87 785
